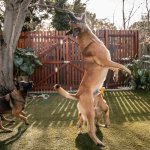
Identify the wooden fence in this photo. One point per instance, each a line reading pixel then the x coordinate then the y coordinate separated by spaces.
pixel 62 61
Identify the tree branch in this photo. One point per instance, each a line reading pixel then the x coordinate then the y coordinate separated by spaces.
pixel 123 15
pixel 51 6
pixel 134 12
pixel 148 10
pixel 129 17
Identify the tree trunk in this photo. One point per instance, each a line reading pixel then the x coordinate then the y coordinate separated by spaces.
pixel 15 13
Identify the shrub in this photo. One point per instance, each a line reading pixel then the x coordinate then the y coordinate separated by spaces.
pixel 140 78
pixel 25 62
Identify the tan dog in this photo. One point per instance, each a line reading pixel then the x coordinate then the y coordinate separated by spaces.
pixel 97 61
pixel 100 107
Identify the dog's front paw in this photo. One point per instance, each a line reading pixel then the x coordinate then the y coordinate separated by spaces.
pixel 128 71
pixel 10 130
pixel 80 132
pixel 26 123
pixel 107 125
pixel 100 144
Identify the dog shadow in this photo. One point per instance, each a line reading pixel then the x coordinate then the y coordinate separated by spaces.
pixel 4 145
pixel 84 142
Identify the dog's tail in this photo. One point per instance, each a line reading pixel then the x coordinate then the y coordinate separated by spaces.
pixel 64 93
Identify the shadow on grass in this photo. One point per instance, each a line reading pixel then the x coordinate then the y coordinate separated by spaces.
pixel 54 112
pixel 60 112
pixel 4 145
pixel 128 105
pixel 125 106
pixel 84 142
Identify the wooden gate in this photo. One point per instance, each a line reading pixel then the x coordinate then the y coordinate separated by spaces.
pixel 62 61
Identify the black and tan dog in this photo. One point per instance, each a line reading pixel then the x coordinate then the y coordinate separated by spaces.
pixel 14 103
pixel 97 61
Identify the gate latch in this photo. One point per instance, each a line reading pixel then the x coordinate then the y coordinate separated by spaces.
pixel 66 61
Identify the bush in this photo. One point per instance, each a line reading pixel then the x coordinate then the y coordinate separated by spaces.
pixel 25 62
pixel 140 78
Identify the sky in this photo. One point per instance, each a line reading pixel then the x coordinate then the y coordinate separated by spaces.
pixel 110 8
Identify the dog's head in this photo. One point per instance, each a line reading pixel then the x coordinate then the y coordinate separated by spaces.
pixel 77 24
pixel 23 86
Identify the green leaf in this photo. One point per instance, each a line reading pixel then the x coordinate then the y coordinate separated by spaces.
pixel 31 54
pixel 143 79
pixel 25 60
pixel 24 67
pixel 37 62
pixel 140 72
pixel 31 69
pixel 18 61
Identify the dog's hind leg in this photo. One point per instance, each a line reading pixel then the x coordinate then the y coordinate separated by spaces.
pixel 87 109
pixel 6 119
pixel 3 128
pixel 92 129
pixel 107 120
pixel 17 113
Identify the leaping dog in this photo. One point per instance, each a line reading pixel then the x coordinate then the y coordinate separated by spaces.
pixel 97 61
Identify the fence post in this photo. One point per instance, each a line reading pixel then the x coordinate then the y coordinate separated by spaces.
pixel 106 38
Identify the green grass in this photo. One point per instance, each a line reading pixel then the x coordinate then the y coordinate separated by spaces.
pixel 53 125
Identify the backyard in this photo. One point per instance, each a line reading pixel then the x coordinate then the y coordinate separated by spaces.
pixel 48 42
pixel 53 125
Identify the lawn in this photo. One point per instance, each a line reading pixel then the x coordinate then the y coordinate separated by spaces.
pixel 53 125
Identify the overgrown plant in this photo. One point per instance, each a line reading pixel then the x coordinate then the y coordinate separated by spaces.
pixel 140 78
pixel 25 62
